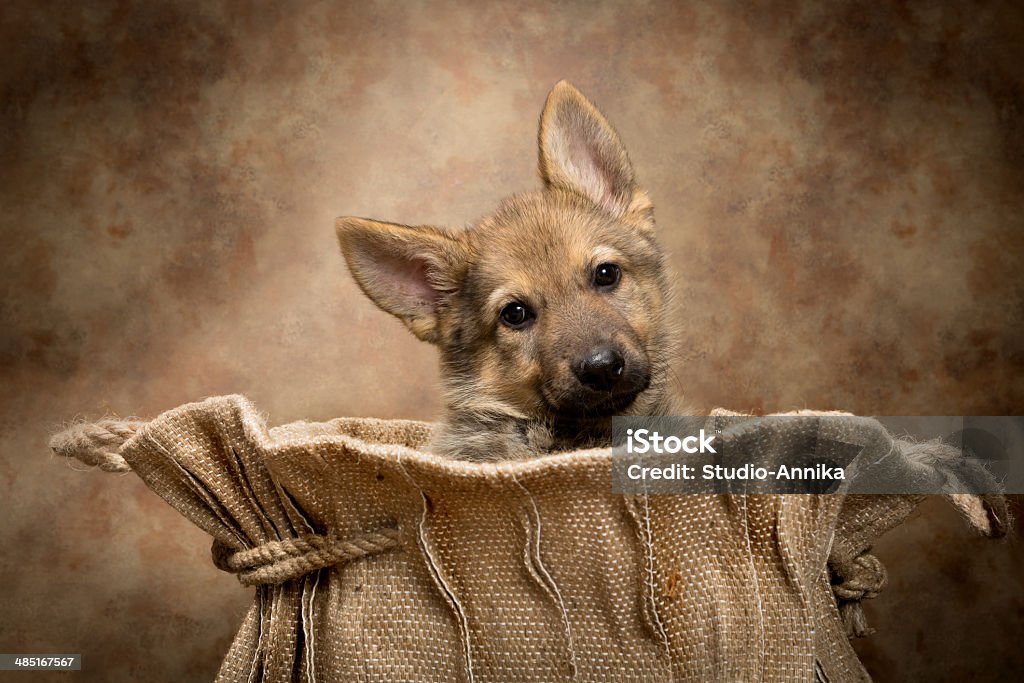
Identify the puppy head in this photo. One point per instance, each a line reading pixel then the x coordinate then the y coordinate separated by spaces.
pixel 551 308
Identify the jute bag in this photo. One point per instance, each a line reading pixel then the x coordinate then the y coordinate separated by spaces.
pixel 376 561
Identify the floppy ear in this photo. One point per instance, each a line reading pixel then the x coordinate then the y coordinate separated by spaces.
pixel 405 270
pixel 582 153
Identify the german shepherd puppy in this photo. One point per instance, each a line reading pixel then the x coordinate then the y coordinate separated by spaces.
pixel 551 313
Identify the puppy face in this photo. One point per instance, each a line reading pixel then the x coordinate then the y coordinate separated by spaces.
pixel 558 311
pixel 551 309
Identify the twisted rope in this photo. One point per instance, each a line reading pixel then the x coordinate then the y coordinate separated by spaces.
pixel 97 444
pixel 862 577
pixel 278 561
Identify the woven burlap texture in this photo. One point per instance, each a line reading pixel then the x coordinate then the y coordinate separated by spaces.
pixel 377 561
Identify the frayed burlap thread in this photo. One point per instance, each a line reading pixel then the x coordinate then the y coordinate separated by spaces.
pixel 373 560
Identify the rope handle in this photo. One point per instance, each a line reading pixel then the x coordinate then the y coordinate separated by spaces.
pixel 97 444
pixel 862 577
pixel 275 562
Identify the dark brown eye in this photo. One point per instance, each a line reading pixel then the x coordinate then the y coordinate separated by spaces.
pixel 516 315
pixel 607 275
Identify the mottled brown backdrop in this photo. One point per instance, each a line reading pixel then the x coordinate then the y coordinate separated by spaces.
pixel 840 187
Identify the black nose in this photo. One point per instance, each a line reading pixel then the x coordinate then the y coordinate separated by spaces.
pixel 601 369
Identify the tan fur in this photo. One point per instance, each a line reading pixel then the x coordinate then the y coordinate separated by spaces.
pixel 511 393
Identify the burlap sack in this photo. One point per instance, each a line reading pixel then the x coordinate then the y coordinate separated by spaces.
pixel 375 561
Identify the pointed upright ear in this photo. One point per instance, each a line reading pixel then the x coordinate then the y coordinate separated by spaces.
pixel 406 271
pixel 582 153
